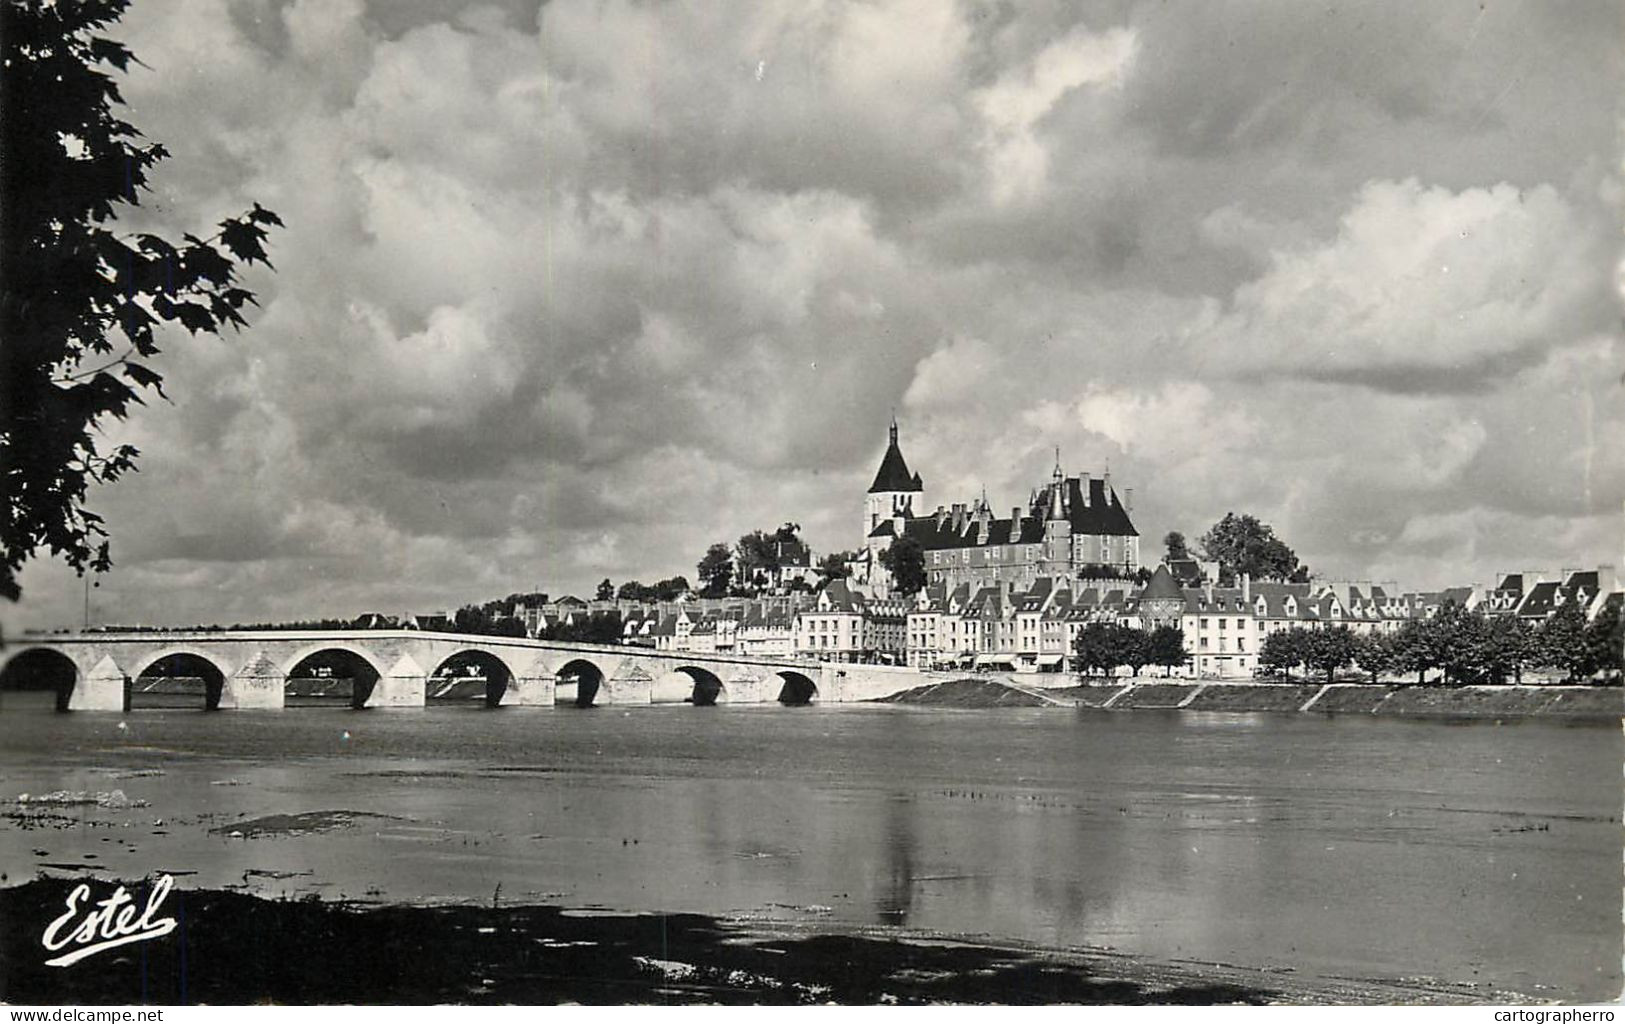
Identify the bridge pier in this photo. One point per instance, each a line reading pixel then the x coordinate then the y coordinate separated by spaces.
pixel 406 685
pixel 744 689
pixel 631 685
pixel 529 691
pixel 258 684
pixel 104 688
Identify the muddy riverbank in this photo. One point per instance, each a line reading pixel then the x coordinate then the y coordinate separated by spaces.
pixel 237 948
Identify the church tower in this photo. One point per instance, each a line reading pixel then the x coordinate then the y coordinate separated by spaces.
pixel 894 491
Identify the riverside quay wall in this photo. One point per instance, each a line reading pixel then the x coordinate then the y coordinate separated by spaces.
pixel 1338 698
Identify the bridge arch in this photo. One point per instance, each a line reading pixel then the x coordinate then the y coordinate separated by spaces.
pixel 706 689
pixel 327 660
pixel 579 682
pixel 333 645
pixel 471 663
pixel 796 687
pixel 41 669
pixel 176 663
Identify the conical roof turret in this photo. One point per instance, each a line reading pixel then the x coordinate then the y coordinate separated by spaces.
pixel 1162 586
pixel 893 474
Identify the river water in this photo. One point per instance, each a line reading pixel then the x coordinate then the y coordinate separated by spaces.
pixel 1335 846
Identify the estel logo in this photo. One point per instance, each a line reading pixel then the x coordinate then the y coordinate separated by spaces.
pixel 113 922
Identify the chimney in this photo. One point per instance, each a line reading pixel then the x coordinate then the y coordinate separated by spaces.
pixel 1247 587
pixel 1084 483
pixel 1015 524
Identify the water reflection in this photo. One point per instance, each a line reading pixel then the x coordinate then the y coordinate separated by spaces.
pixel 1333 845
pixel 895 895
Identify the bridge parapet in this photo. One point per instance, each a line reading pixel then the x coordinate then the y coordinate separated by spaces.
pixel 254 666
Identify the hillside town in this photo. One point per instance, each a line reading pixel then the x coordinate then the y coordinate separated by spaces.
pixel 1017 593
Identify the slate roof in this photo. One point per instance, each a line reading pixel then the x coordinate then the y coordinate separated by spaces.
pixel 1615 600
pixel 841 597
pixel 1459 595
pixel 893 474
pixel 1104 515
pixel 1161 587
pixel 1275 595
pixel 1541 600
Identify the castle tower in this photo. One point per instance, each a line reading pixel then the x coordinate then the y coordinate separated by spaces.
pixel 1057 560
pixel 895 490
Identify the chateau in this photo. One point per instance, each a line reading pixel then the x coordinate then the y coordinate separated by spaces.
pixel 1070 527
pixel 1014 594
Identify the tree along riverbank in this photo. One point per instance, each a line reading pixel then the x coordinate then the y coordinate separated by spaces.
pixel 1575 702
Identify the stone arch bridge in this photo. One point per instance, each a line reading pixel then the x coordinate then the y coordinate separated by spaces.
pixel 95 671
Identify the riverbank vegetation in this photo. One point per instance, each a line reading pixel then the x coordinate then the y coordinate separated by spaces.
pixel 1463 646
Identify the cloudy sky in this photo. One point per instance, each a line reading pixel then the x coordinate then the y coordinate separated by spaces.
pixel 570 290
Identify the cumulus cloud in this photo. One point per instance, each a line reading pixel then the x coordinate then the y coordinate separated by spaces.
pixel 1419 285
pixel 1018 160
pixel 571 290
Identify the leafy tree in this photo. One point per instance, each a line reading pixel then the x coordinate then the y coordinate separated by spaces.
pixel 1329 649
pixel 632 590
pixel 1413 650
pixel 1282 651
pixel 671 588
pixel 1508 645
pixel 1167 648
pixel 472 618
pixel 1460 642
pixel 788 532
pixel 1242 544
pixel 905 560
pixel 602 628
pixel 715 570
pixel 1097 647
pixel 833 566
pixel 508 605
pixel 1177 550
pixel 1605 640
pixel 1376 654
pixel 755 554
pixel 81 306
pixel 1562 640
pixel 1134 647
pixel 507 625
pixel 606 590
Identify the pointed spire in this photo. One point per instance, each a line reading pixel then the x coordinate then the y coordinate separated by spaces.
pixel 894 475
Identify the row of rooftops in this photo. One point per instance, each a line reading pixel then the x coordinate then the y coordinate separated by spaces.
pixel 1163 595
pixel 1525 594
